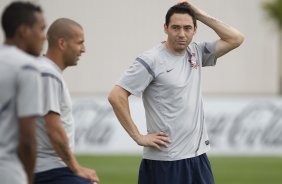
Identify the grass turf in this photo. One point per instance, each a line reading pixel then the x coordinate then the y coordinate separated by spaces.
pixel 227 170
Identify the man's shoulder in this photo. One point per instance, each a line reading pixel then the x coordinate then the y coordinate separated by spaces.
pixel 156 50
pixel 150 56
pixel 47 66
pixel 202 46
pixel 49 71
pixel 17 59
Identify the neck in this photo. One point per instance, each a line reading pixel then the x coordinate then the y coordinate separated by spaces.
pixel 16 42
pixel 56 58
pixel 173 51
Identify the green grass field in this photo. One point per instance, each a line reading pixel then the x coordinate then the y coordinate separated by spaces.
pixel 227 170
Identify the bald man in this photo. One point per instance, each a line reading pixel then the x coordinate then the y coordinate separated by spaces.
pixel 56 163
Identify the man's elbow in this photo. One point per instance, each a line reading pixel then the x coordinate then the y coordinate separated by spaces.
pixel 113 97
pixel 238 40
pixel 117 95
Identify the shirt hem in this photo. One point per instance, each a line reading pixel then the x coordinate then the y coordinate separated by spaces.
pixel 168 158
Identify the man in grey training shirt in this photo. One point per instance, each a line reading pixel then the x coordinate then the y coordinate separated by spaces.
pixel 20 91
pixel 168 77
pixel 56 163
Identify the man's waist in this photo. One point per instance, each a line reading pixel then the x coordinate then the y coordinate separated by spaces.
pixel 47 163
pixel 153 154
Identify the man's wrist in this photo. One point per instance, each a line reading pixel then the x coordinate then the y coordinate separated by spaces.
pixel 136 137
pixel 74 167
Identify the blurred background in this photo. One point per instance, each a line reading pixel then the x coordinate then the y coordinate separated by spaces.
pixel 242 93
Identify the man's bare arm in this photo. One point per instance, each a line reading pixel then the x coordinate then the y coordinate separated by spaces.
pixel 230 38
pixel 27 145
pixel 60 143
pixel 118 98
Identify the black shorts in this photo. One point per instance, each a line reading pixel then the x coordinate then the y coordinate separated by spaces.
pixel 196 170
pixel 59 176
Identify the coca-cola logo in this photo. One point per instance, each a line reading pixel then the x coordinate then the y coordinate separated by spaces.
pixel 258 124
pixel 249 127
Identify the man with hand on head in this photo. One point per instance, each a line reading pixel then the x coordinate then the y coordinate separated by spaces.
pixel 56 163
pixel 20 91
pixel 168 77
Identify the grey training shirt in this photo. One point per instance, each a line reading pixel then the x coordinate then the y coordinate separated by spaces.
pixel 20 96
pixel 170 86
pixel 56 99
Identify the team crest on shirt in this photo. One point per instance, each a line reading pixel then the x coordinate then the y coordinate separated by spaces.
pixel 193 61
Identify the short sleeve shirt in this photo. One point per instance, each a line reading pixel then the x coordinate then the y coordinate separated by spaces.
pixel 56 98
pixel 20 96
pixel 170 87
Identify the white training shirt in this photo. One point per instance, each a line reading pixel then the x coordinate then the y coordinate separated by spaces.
pixel 20 96
pixel 171 89
pixel 56 99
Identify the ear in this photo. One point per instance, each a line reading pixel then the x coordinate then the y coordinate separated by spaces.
pixel 61 43
pixel 165 28
pixel 195 30
pixel 23 31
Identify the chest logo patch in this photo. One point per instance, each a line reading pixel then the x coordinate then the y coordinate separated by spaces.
pixel 192 59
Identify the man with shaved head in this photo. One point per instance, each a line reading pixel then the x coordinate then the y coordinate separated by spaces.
pixel 56 162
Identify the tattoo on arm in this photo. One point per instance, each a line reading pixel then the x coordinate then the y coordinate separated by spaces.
pixel 64 149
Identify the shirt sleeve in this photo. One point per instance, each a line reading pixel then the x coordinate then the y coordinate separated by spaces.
pixel 53 87
pixel 208 53
pixel 29 92
pixel 138 76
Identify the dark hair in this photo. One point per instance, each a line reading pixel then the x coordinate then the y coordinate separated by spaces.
pixel 182 8
pixel 16 14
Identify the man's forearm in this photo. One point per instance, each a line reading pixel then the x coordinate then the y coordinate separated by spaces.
pixel 119 101
pixel 122 112
pixel 61 146
pixel 60 143
pixel 59 139
pixel 118 98
pixel 27 155
pixel 230 37
pixel 224 31
pixel 27 146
